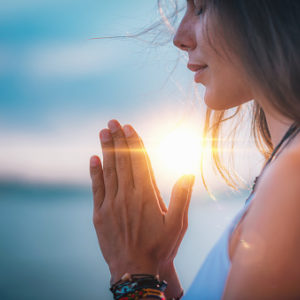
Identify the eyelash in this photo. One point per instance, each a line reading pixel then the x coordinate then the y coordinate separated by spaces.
pixel 199 11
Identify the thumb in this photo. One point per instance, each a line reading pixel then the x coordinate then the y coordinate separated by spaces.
pixel 180 198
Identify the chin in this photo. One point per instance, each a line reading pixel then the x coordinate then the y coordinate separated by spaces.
pixel 221 102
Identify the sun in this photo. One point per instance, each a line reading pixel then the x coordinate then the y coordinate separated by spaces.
pixel 179 151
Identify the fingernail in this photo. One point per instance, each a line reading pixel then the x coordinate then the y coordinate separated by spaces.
pixel 192 180
pixel 113 125
pixel 188 181
pixel 105 135
pixel 94 161
pixel 128 130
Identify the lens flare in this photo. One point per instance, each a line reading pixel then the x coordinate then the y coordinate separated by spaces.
pixel 179 150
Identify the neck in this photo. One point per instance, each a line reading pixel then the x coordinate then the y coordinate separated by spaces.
pixel 278 126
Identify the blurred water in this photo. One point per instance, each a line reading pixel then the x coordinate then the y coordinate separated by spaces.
pixel 49 249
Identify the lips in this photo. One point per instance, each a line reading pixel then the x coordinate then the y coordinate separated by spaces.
pixel 196 67
pixel 199 69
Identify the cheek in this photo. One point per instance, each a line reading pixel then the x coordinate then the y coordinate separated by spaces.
pixel 226 88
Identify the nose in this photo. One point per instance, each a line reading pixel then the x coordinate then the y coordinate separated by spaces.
pixel 178 43
pixel 184 38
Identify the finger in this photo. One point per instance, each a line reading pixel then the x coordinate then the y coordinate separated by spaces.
pixel 97 181
pixel 184 224
pixel 140 170
pixel 109 167
pixel 161 201
pixel 186 210
pixel 122 155
pixel 179 200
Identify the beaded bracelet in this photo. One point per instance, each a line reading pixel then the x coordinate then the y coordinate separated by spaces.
pixel 136 286
pixel 144 293
pixel 155 294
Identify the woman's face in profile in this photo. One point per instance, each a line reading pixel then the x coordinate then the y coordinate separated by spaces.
pixel 226 84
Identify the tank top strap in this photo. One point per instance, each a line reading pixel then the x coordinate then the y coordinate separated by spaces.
pixel 289 136
pixel 292 136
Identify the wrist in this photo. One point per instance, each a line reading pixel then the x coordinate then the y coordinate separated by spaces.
pixel 166 268
pixel 118 270
pixel 168 273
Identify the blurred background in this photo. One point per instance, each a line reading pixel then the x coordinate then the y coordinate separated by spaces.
pixel 58 88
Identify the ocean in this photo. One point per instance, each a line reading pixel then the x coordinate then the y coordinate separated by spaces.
pixel 49 248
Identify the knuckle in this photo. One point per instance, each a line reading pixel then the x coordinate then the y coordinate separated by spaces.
pixel 107 147
pixel 108 171
pixel 118 134
pixel 97 219
pixel 132 147
pixel 123 162
pixel 107 206
pixel 95 190
pixel 133 141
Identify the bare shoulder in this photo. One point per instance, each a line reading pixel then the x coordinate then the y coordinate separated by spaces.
pixel 280 183
pixel 266 263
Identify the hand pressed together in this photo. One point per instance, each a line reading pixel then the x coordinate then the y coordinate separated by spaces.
pixel 136 232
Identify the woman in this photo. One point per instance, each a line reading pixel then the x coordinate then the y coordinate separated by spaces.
pixel 241 51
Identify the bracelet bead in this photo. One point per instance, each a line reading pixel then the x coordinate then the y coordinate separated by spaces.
pixel 137 286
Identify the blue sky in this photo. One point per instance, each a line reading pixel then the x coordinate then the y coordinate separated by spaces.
pixel 49 64
pixel 59 87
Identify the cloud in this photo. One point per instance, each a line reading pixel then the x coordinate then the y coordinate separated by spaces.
pixel 62 153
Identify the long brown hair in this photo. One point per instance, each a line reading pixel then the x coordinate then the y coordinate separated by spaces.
pixel 264 37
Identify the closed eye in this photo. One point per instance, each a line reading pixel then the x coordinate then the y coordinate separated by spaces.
pixel 196 5
pixel 199 11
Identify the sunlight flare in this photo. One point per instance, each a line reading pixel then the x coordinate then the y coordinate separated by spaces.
pixel 179 151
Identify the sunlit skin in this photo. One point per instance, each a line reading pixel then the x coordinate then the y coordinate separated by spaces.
pixel 226 85
pixel 130 216
pixel 137 233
